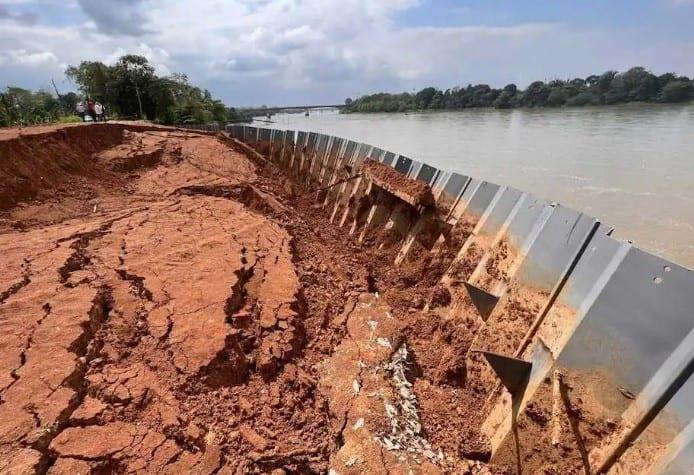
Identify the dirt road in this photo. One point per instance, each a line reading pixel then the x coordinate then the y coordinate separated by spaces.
pixel 171 305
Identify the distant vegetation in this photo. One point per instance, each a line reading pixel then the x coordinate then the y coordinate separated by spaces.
pixel 634 85
pixel 23 107
pixel 129 88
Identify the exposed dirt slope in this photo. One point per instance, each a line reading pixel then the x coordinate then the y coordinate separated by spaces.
pixel 170 305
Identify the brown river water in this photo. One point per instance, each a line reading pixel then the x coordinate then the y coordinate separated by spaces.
pixel 631 166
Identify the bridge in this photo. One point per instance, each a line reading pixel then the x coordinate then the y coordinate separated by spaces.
pixel 254 111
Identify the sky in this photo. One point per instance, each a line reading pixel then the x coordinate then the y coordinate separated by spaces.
pixel 300 52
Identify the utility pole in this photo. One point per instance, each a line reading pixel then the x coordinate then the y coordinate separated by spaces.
pixel 136 73
pixel 56 89
pixel 139 102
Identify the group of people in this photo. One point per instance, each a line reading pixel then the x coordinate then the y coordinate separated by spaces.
pixel 92 109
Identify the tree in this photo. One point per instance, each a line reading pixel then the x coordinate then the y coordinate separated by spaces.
pixel 592 80
pixel 585 98
pixel 423 98
pixel 557 97
pixel 130 88
pixel 677 91
pixel 437 102
pixel 536 94
pixel 605 80
pixel 511 89
pixel 610 87
pixel 69 102
pixel 92 77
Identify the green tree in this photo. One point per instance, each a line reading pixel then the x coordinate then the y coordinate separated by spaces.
pixel 557 97
pixel 424 97
pixel 130 88
pixel 677 91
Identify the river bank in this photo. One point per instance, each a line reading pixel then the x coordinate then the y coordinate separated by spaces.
pixel 629 165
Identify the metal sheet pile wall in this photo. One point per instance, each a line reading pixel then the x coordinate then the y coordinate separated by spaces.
pixel 600 314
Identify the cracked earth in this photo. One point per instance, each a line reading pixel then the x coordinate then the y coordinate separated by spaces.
pixel 171 305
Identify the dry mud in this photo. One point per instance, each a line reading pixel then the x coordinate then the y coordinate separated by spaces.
pixel 170 303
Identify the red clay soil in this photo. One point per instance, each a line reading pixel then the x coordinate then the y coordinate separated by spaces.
pixel 172 305
pixel 413 192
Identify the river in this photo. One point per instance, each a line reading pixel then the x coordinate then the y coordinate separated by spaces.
pixel 631 166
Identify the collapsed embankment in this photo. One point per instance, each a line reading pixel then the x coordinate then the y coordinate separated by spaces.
pixel 173 302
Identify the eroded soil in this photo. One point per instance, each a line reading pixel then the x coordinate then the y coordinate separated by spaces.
pixel 172 305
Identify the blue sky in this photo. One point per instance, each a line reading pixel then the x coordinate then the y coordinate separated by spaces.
pixel 282 52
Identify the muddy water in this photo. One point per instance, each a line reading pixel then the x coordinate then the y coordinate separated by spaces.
pixel 631 166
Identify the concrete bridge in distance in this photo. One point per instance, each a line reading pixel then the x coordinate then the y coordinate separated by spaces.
pixel 256 111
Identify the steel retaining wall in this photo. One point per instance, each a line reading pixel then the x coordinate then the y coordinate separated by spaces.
pixel 610 320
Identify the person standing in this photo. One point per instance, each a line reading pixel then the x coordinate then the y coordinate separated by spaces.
pixel 99 111
pixel 80 110
pixel 90 109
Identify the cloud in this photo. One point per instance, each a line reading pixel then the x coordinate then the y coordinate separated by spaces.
pixel 118 17
pixel 24 18
pixel 23 57
pixel 302 51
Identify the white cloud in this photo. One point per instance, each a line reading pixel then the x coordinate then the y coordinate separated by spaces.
pixel 21 57
pixel 292 51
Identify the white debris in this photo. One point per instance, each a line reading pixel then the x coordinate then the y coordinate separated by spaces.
pixel 373 324
pixel 351 461
pixel 405 426
pixel 333 472
pixel 383 342
pixel 356 386
pixel 359 424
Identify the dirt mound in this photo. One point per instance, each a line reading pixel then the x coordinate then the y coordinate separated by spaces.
pixel 413 192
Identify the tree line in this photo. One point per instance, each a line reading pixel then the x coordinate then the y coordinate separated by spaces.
pixel 612 87
pixel 128 89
